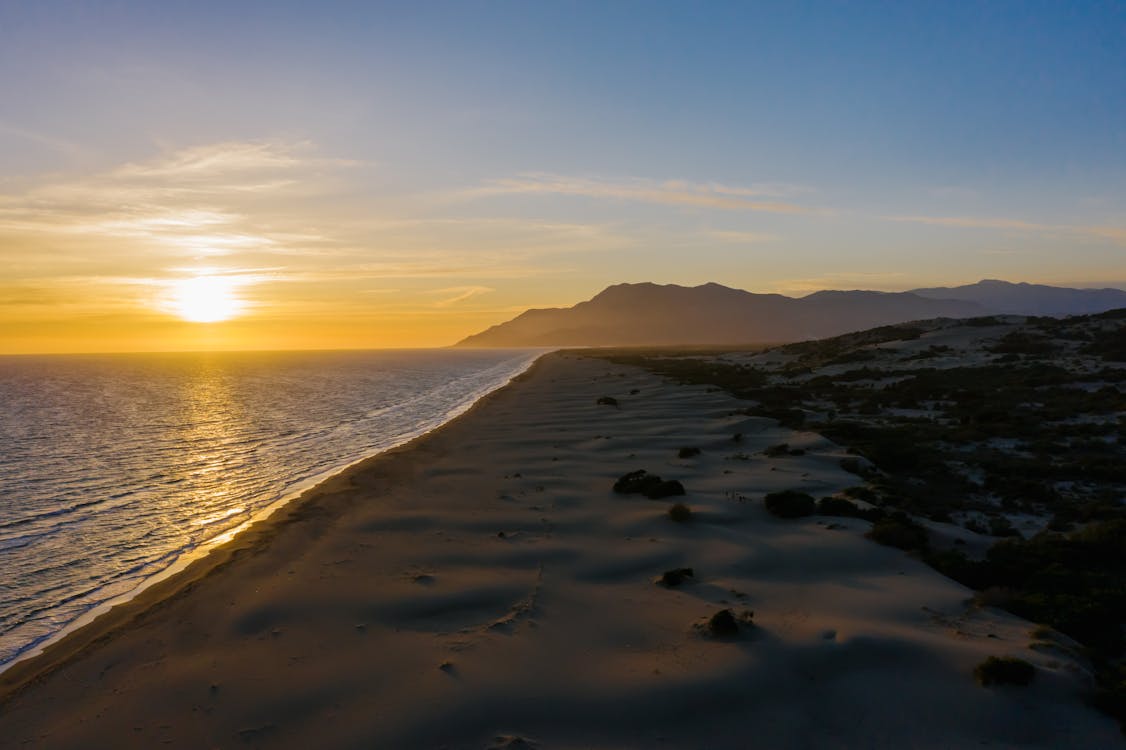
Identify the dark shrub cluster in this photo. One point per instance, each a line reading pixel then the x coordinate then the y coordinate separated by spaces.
pixel 676 576
pixel 898 530
pixel 680 513
pixel 842 508
pixel 1004 670
pixel 641 482
pixel 723 623
pixel 688 452
pixel 783 449
pixel 790 504
pixel 607 401
pixel 726 624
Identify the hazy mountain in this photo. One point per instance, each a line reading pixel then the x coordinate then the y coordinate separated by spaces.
pixel 651 314
pixel 1030 299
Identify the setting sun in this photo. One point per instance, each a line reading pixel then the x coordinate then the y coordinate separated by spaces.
pixel 206 299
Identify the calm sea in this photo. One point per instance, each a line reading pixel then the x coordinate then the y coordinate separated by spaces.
pixel 113 467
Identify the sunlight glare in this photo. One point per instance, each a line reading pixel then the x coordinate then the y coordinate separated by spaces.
pixel 206 299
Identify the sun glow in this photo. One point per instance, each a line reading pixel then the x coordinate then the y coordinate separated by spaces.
pixel 206 299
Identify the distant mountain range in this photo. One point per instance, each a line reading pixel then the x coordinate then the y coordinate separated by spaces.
pixel 712 314
pixel 1030 299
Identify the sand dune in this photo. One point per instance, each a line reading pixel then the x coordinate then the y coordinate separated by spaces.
pixel 484 587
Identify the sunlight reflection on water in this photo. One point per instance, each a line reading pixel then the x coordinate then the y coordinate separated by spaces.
pixel 112 467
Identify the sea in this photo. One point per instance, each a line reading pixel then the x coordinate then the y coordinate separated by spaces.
pixel 117 469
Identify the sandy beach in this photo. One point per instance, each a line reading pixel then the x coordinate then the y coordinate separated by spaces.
pixel 484 587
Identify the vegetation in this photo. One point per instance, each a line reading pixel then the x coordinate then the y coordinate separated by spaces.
pixel 840 507
pixel 726 624
pixel 607 401
pixel 898 530
pixel 1004 670
pixel 680 513
pixel 723 623
pixel 1032 426
pixel 675 577
pixel 688 452
pixel 650 485
pixel 790 504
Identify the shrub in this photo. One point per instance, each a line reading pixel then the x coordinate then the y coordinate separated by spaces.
pixel 665 488
pixel 867 494
pixel 1004 670
pixel 607 401
pixel 723 624
pixel 790 504
pixel 1001 526
pixel 688 452
pixel 650 485
pixel 898 530
pixel 842 508
pixel 774 451
pixel 680 513
pixel 837 506
pixel 634 482
pixel 676 576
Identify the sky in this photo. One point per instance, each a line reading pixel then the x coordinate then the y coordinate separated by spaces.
pixel 282 175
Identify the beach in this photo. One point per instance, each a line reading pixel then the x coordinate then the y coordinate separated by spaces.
pixel 483 587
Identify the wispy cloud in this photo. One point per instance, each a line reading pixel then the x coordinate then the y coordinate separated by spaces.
pixel 455 294
pixel 882 281
pixel 740 237
pixel 761 198
pixel 1115 234
pixel 974 222
pixel 1112 233
pixel 60 145
pixel 204 201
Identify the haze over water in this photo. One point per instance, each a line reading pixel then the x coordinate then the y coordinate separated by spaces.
pixel 113 466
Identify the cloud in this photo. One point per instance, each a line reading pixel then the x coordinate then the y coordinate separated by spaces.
pixel 459 294
pixel 1115 234
pixel 1112 233
pixel 884 281
pixel 60 145
pixel 973 222
pixel 669 193
pixel 740 238
pixel 209 200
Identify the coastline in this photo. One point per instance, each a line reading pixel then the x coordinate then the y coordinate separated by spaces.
pixel 215 545
pixel 481 584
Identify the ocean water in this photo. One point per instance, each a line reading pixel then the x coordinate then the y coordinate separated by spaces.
pixel 114 467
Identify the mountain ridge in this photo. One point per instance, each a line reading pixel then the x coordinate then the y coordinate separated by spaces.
pixel 650 314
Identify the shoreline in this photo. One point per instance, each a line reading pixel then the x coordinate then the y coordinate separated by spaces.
pixel 301 492
pixel 483 586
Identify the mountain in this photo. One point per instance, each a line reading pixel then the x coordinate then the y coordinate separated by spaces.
pixel 1030 299
pixel 659 315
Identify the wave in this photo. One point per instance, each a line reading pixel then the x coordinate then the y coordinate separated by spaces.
pixel 119 468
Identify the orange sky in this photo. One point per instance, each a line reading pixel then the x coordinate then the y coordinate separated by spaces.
pixel 358 176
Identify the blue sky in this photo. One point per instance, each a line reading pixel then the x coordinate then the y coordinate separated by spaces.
pixel 528 154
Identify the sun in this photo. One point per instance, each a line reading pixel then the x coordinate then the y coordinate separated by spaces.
pixel 206 299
